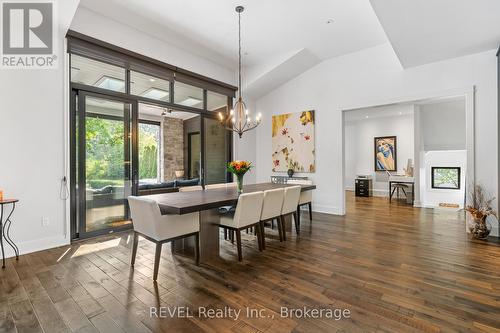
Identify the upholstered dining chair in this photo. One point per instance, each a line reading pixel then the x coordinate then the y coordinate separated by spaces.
pixel 290 203
pixel 305 196
pixel 271 210
pixel 220 185
pixel 191 188
pixel 150 224
pixel 247 214
pixel 224 209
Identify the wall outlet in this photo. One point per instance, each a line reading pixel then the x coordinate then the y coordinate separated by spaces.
pixel 45 221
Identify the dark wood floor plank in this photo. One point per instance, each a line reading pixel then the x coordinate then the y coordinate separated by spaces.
pixel 24 317
pixel 396 268
pixel 7 324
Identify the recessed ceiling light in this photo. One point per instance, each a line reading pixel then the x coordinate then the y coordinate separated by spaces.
pixel 190 101
pixel 111 83
pixel 152 80
pixel 155 93
pixel 367 117
pixel 400 113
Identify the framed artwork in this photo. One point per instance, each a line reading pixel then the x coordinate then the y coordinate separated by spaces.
pixel 445 178
pixel 293 142
pixel 385 153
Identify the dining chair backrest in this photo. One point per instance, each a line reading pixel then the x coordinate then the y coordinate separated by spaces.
pixel 248 209
pixel 145 214
pixel 148 220
pixel 299 181
pixel 305 196
pixel 273 201
pixel 191 188
pixel 220 185
pixel 212 186
pixel 291 201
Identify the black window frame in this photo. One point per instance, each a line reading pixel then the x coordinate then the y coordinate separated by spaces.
pixel 446 188
pixel 97 50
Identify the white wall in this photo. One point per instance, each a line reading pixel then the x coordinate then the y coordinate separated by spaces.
pixel 359 144
pixel 432 197
pixel 33 107
pixel 443 125
pixel 32 139
pixel 92 24
pixel 374 77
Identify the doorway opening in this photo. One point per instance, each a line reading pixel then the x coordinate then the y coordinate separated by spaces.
pixel 416 153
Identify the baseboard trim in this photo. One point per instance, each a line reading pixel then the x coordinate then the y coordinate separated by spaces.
pixel 375 193
pixel 326 209
pixel 36 245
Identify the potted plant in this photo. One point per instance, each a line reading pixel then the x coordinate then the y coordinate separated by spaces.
pixel 239 168
pixel 479 209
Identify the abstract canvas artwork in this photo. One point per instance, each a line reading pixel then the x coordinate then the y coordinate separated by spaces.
pixel 386 153
pixel 293 142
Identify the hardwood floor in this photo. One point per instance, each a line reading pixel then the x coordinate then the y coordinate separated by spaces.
pixel 396 268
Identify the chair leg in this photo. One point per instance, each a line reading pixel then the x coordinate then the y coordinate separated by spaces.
pixel 297 223
pixel 282 221
pixel 298 215
pixel 310 211
pixel 259 236
pixel 157 261
pixel 280 230
pixel 238 244
pixel 231 236
pixel 197 248
pixel 134 248
pixel 262 235
pixel 392 193
pixel 225 234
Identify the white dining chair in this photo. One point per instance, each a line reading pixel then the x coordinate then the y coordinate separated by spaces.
pixel 148 222
pixel 247 214
pixel 305 196
pixel 220 185
pixel 271 210
pixel 289 208
pixel 191 188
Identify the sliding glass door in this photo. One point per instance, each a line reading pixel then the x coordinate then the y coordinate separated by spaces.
pixel 216 152
pixel 105 174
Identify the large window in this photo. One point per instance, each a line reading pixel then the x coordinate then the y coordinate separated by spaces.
pixel 139 127
pixel 188 95
pixel 96 73
pixel 149 86
pixel 149 151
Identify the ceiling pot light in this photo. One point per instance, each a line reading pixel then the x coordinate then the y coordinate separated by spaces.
pixel 238 119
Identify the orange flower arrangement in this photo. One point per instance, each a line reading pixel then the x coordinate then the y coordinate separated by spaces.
pixel 239 167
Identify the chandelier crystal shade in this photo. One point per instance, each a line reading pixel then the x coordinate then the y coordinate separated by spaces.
pixel 238 120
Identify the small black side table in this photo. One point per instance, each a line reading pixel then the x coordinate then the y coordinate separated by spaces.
pixel 5 227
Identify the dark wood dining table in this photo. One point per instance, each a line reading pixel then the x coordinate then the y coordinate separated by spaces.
pixel 207 203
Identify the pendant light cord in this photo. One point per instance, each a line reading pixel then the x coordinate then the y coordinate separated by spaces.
pixel 239 54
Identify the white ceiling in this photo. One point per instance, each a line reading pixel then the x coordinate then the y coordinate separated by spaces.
pixel 283 38
pixel 270 28
pixel 425 31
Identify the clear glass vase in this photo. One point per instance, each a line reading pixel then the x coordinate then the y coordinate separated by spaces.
pixel 239 182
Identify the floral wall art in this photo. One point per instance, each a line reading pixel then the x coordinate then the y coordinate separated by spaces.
pixel 293 142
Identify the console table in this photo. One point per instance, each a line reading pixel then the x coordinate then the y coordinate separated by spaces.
pixel 5 227
pixel 402 180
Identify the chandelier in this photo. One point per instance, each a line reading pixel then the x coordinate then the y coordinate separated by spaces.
pixel 238 120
